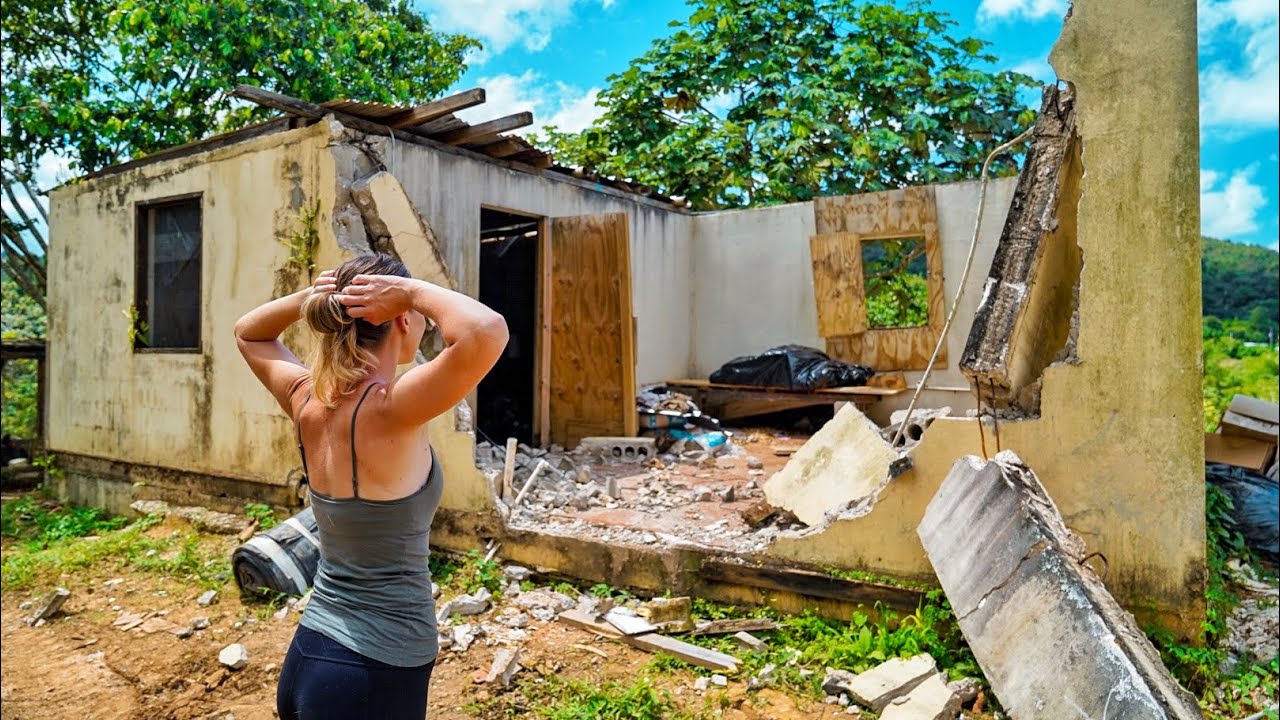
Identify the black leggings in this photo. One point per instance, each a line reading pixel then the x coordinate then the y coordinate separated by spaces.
pixel 322 679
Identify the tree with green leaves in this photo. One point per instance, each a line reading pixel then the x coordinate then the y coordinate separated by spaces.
pixel 753 102
pixel 102 81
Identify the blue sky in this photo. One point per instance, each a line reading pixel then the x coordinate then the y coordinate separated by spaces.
pixel 553 57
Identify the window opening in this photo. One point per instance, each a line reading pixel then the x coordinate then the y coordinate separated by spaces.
pixel 895 276
pixel 167 307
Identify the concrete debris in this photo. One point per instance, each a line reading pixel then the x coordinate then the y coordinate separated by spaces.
pixel 206 598
pixel 517 573
pixel 894 678
pixel 966 689
pixel 701 683
pixel 930 700
pixel 764 677
pixel 842 463
pixel 719 680
pixel 671 615
pixel 463 636
pixel 201 518
pixel 1008 563
pixel 234 656
pixel 627 622
pixel 200 623
pixel 513 618
pixel 435 590
pixel 51 606
pixel 747 641
pixel 836 681
pixel 913 428
pixel 505 665
pixel 620 448
pixel 465 604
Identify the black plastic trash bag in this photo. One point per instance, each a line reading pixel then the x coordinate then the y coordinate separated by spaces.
pixel 1257 506
pixel 283 559
pixel 792 367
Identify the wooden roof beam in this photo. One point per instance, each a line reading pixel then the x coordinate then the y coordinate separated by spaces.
pixel 427 112
pixel 485 129
pixel 503 148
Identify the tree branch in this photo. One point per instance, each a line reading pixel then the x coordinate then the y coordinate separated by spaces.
pixel 899 267
pixel 20 278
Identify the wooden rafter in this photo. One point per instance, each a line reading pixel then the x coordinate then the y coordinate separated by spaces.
pixel 437 109
pixel 484 129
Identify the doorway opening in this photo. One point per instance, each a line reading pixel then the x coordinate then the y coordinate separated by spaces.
pixel 509 269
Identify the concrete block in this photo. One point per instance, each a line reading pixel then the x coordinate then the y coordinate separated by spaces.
pixel 930 700
pixel 877 687
pixel 844 461
pixel 621 448
pixel 1048 635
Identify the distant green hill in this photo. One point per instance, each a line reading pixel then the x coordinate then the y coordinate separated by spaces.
pixel 1240 283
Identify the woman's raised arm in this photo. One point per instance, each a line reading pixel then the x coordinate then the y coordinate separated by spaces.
pixel 258 337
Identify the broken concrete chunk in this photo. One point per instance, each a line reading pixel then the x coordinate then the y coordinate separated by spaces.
pixel 517 573
pixel 389 216
pixel 1049 637
pixel 750 642
pixel 51 605
pixel 470 604
pixel 463 636
pixel 665 610
pixel 836 681
pixel 845 461
pixel 211 521
pixel 930 700
pixel 234 656
pixel 965 688
pixel 878 686
pixel 150 507
pixel 206 598
pixel 719 680
pixel 505 664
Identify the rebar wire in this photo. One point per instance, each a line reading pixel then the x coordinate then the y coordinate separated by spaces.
pixel 964 278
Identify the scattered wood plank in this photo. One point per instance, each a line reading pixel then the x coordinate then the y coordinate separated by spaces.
pixel 734 626
pixel 727 402
pixel 590 649
pixel 484 129
pixel 437 109
pixel 535 158
pixel 509 469
pixel 503 148
pixel 653 642
pixel 811 583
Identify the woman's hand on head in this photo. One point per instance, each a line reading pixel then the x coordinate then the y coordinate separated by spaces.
pixel 326 282
pixel 377 298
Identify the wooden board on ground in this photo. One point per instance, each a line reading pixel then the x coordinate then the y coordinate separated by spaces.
pixel 653 642
pixel 892 214
pixel 811 583
pixel 734 625
pixel 730 402
pixel 592 348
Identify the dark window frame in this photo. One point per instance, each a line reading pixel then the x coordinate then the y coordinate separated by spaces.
pixel 142 263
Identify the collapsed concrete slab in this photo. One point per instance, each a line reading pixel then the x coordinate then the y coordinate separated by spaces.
pixel 1048 635
pixel 394 225
pixel 930 700
pixel 880 685
pixel 843 462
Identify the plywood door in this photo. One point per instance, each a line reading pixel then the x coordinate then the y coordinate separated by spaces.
pixel 592 348
pixel 837 288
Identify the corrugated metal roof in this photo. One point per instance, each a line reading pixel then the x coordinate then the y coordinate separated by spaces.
pixel 367 110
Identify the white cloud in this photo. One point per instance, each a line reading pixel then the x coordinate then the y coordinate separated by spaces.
pixel 1232 210
pixel 1240 88
pixel 989 10
pixel 501 23
pixel 567 107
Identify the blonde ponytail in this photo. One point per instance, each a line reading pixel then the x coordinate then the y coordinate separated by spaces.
pixel 345 354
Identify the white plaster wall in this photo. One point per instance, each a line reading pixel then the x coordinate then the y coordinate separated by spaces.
pixel 449 190
pixel 753 283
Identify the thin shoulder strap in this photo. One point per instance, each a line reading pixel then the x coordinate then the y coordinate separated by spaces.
pixel 297 424
pixel 355 481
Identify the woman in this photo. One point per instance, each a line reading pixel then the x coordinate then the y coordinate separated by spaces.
pixel 367 641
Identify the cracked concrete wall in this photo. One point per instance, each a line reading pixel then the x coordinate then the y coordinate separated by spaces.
pixel 200 411
pixel 1119 441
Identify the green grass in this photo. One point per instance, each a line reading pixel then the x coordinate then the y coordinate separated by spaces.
pixel 468 573
pixel 557 698
pixel 48 539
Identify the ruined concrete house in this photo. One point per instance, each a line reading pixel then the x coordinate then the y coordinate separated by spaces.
pixel 1079 323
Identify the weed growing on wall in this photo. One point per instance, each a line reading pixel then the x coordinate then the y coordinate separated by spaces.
pixel 304 242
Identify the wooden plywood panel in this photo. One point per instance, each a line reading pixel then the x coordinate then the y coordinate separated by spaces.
pixel 910 212
pixel 592 348
pixel 837 288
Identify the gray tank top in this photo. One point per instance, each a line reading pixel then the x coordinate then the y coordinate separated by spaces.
pixel 372 591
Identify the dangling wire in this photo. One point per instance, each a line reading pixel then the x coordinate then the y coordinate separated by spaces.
pixel 995 416
pixel 982 433
pixel 964 278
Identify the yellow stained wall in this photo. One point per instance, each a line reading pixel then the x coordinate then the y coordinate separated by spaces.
pixel 1118 444
pixel 201 412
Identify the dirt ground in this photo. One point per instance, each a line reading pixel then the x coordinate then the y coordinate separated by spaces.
pixel 83 664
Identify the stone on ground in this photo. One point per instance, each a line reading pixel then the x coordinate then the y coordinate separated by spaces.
pixel 1049 637
pixel 894 678
pixel 845 461
pixel 930 700
pixel 234 656
pixel 51 605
